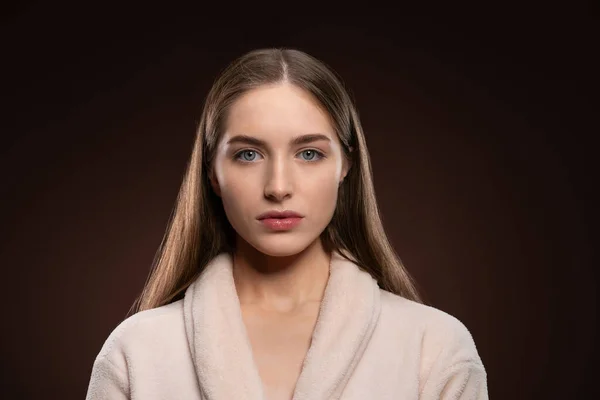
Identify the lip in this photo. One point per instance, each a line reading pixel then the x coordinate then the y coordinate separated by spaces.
pixel 281 224
pixel 280 220
pixel 275 214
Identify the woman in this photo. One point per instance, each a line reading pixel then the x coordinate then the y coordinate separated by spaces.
pixel 275 279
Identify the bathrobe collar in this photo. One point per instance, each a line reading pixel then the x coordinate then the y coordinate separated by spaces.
pixel 222 353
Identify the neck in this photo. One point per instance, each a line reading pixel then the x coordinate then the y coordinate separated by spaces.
pixel 280 283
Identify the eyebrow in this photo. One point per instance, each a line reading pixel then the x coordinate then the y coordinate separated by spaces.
pixel 304 139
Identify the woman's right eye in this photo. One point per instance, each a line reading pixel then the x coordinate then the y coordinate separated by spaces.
pixel 247 155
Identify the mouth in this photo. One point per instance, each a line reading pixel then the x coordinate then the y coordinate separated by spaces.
pixel 281 224
pixel 280 220
pixel 274 214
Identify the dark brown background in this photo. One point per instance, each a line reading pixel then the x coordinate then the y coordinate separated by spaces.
pixel 477 129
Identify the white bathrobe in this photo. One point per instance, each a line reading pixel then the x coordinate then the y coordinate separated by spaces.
pixel 367 344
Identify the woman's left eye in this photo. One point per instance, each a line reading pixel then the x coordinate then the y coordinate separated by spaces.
pixel 312 155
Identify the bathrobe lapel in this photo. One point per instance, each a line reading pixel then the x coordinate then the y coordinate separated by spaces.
pixel 222 353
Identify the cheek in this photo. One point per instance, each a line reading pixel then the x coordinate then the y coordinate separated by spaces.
pixel 322 190
pixel 237 193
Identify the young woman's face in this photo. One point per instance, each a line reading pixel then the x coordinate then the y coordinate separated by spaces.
pixel 279 152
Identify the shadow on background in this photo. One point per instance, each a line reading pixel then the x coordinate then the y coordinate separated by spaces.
pixel 476 133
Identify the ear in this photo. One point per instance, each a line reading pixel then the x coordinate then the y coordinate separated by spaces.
pixel 346 164
pixel 214 182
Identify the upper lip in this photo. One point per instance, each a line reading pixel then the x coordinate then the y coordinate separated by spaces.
pixel 279 214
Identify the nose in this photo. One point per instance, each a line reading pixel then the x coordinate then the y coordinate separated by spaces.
pixel 278 185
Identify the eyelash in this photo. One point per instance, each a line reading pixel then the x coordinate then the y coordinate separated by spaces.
pixel 319 155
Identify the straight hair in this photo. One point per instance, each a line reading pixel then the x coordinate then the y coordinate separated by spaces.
pixel 198 229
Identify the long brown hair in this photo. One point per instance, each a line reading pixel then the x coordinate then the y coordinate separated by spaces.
pixel 198 228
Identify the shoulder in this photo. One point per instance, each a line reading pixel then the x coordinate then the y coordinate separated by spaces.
pixel 441 335
pixel 423 315
pixel 142 330
pixel 447 356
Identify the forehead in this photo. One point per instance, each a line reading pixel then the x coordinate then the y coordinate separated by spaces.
pixel 278 111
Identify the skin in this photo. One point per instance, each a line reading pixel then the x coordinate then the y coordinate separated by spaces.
pixel 280 276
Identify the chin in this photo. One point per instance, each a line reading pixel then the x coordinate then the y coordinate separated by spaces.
pixel 280 246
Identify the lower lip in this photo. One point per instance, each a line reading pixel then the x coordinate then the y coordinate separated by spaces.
pixel 281 224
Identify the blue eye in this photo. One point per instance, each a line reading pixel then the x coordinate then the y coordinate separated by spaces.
pixel 312 155
pixel 246 155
